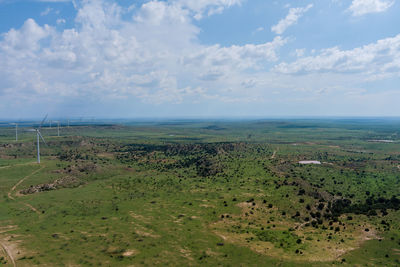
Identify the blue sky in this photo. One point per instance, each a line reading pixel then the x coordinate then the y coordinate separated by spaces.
pixel 199 58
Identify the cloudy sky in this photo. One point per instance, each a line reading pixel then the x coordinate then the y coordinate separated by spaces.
pixel 199 58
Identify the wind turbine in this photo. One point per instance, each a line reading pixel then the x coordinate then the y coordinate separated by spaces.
pixel 16 131
pixel 38 137
pixel 58 128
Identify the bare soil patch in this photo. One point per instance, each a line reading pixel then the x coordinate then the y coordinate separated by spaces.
pixel 130 253
pixel 10 248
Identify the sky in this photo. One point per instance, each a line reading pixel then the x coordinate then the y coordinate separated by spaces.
pixel 199 58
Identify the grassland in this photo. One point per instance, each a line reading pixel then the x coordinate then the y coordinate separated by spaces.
pixel 192 193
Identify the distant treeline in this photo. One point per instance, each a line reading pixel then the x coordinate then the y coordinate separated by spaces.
pixel 369 207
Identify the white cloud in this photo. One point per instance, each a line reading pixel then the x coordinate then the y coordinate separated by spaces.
pixel 26 39
pixel 209 7
pixel 46 11
pixel 155 13
pixel 294 15
pixel 375 61
pixel 238 57
pixel 155 56
pixel 300 52
pixel 259 29
pixel 362 7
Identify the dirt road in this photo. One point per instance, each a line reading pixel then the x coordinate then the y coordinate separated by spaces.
pixel 31 207
pixel 21 181
pixel 8 253
pixel 274 154
pixel 7 250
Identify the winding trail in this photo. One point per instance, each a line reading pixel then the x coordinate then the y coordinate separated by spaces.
pixel 5 248
pixel 8 253
pixel 303 224
pixel 274 154
pixel 31 207
pixel 21 181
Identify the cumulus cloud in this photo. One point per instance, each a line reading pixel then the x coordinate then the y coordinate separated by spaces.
pixel 362 7
pixel 238 57
pixel 375 60
pixel 26 39
pixel 294 15
pixel 154 56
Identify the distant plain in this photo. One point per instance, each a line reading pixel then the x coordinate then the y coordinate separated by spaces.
pixel 203 192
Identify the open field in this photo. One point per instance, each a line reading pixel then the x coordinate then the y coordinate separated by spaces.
pixel 229 193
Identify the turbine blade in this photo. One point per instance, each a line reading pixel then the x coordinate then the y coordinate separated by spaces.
pixel 43 121
pixel 42 138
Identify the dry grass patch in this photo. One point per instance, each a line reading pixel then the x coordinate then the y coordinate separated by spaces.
pixel 266 231
pixel 130 253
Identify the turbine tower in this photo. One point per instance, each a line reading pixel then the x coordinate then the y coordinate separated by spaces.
pixel 38 137
pixel 16 131
pixel 58 128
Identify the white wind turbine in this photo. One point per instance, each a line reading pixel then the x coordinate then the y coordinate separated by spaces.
pixel 38 137
pixel 16 130
pixel 58 128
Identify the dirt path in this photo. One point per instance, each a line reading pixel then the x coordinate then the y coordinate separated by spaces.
pixel 303 224
pixel 8 228
pixel 21 181
pixel 31 207
pixel 7 251
pixel 274 154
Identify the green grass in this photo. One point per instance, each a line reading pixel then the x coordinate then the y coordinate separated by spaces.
pixel 202 193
